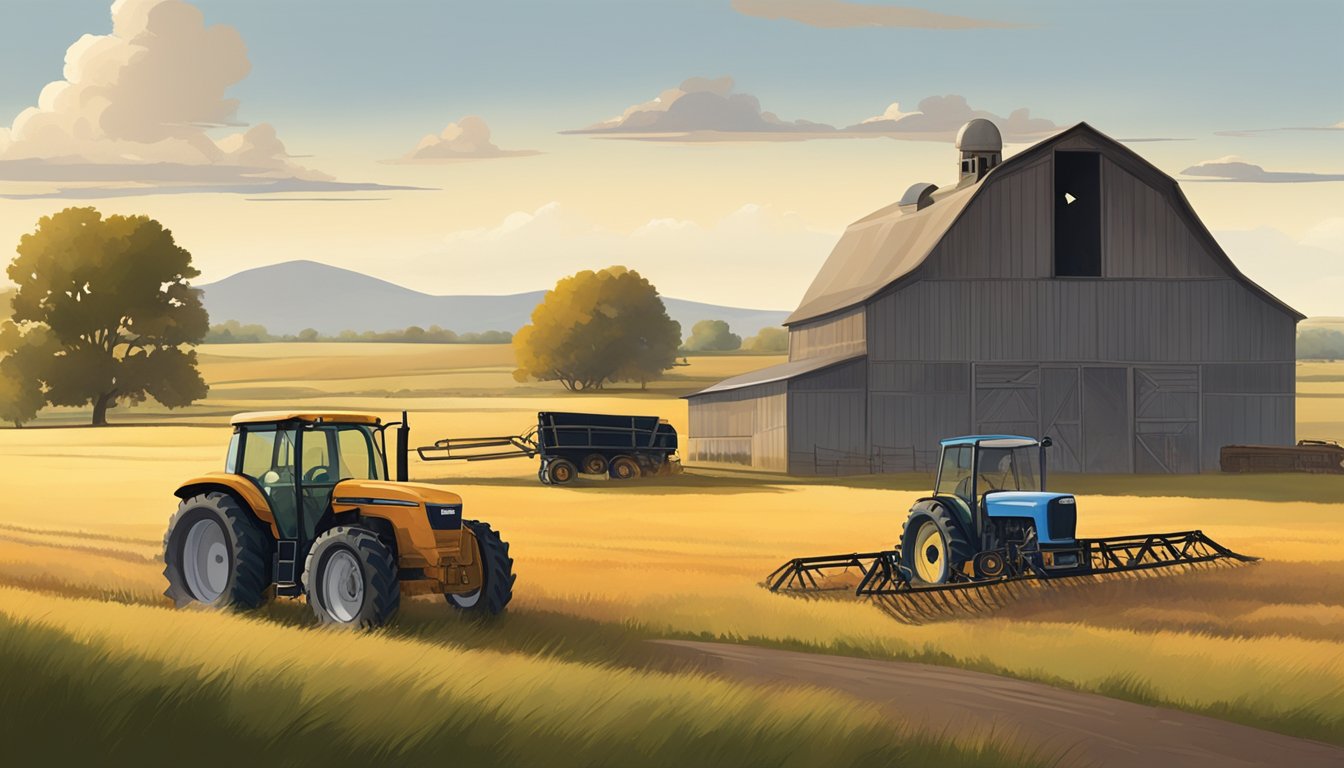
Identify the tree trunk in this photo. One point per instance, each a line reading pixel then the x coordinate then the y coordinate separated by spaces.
pixel 100 407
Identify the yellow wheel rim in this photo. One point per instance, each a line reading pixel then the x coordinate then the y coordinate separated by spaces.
pixel 930 553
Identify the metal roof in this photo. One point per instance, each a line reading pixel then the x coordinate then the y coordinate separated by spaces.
pixel 890 244
pixel 781 372
pixel 992 441
pixel 271 417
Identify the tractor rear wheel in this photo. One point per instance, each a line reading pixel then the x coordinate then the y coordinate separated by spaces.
pixel 595 464
pixel 933 547
pixel 624 468
pixel 561 471
pixel 350 578
pixel 497 567
pixel 216 552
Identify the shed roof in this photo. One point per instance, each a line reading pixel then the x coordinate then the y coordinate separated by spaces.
pixel 890 244
pixel 781 372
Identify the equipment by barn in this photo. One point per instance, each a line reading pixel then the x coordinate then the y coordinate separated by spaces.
pixel 307 505
pixel 622 447
pixel 989 526
pixel 1314 456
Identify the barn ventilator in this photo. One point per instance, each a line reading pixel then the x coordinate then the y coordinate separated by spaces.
pixel 962 552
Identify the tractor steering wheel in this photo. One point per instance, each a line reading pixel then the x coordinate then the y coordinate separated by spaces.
pixel 317 474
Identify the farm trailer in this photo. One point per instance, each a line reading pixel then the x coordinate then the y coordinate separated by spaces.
pixel 622 447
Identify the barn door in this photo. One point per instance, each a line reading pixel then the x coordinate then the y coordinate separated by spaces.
pixel 1062 415
pixel 1106 421
pixel 1006 400
pixel 1166 419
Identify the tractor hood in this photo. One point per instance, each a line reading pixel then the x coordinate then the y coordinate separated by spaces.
pixel 1055 514
pixel 399 494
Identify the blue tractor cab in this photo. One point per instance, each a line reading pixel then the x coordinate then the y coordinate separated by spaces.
pixel 989 507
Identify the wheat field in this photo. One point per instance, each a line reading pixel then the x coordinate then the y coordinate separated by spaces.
pixel 602 567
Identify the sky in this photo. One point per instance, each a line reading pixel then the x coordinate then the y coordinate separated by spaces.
pixel 717 146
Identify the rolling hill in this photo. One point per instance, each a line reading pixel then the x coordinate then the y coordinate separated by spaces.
pixel 293 295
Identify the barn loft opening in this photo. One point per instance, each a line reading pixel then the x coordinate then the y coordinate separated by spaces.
pixel 1077 214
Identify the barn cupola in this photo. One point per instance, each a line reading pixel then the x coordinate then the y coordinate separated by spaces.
pixel 980 148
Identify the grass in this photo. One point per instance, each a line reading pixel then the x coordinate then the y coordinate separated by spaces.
pixel 602 569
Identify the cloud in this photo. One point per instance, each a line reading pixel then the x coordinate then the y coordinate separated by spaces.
pixel 754 256
pixel 703 108
pixel 1305 272
pixel 134 111
pixel 1251 132
pixel 939 117
pixel 833 14
pixel 467 139
pixel 1233 168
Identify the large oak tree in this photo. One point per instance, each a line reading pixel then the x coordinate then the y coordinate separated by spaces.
pixel 115 295
pixel 596 327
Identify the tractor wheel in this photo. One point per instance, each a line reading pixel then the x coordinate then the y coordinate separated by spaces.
pixel 561 471
pixel 595 464
pixel 351 578
pixel 933 546
pixel 624 468
pixel 497 591
pixel 217 553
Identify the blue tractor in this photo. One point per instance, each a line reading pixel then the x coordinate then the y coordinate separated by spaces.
pixel 990 520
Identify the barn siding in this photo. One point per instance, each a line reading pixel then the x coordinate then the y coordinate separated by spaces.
pixel 745 427
pixel 839 335
pixel 828 421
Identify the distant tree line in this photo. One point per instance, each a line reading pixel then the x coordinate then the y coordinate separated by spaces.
pixel 716 336
pixel 1320 344
pixel 234 332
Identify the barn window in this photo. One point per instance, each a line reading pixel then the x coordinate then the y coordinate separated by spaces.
pixel 1077 214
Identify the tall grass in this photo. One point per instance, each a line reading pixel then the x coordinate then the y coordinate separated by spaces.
pixel 166 688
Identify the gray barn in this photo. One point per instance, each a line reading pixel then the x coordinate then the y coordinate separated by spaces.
pixel 1068 291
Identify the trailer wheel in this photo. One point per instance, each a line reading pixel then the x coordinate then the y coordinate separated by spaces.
pixel 595 464
pixel 561 471
pixel 624 468
pixel 932 545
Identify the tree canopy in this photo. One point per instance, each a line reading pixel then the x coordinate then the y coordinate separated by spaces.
pixel 768 340
pixel 22 360
pixel 712 336
pixel 115 298
pixel 595 327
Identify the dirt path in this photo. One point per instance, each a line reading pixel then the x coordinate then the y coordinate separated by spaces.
pixel 1083 728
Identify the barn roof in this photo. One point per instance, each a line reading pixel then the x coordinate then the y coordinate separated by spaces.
pixel 781 372
pixel 891 243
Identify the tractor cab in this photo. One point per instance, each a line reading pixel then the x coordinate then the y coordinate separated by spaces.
pixel 995 487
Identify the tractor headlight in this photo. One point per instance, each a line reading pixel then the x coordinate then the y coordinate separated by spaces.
pixel 444 517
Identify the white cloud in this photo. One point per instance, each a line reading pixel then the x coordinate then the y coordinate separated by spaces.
pixel 134 112
pixel 939 117
pixel 833 14
pixel 1306 272
pixel 1233 168
pixel 754 257
pixel 467 139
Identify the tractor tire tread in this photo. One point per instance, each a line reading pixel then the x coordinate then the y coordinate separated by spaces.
pixel 250 545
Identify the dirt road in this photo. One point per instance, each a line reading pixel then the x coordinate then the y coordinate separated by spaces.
pixel 1082 729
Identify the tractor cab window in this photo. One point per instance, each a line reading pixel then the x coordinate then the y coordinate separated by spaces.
pixel 357 458
pixel 268 459
pixel 1008 469
pixel 954 476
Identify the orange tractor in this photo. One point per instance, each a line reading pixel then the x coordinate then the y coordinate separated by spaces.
pixel 304 506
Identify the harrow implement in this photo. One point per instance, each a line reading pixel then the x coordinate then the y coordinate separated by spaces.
pixel 884 577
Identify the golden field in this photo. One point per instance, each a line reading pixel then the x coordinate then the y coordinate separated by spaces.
pixel 601 567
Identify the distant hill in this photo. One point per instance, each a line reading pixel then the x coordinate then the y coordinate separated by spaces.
pixel 1331 323
pixel 288 297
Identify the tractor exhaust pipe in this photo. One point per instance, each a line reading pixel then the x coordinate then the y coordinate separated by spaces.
pixel 1046 442
pixel 403 448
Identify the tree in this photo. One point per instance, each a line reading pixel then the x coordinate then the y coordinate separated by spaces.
pixel 114 293
pixel 308 334
pixel 596 327
pixel 768 340
pixel 22 356
pixel 712 336
pixel 1320 344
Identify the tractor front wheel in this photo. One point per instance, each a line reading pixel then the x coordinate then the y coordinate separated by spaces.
pixel 497 567
pixel 933 548
pixel 350 578
pixel 215 552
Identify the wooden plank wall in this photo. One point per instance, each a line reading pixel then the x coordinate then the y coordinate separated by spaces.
pixel 745 427
pixel 839 335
